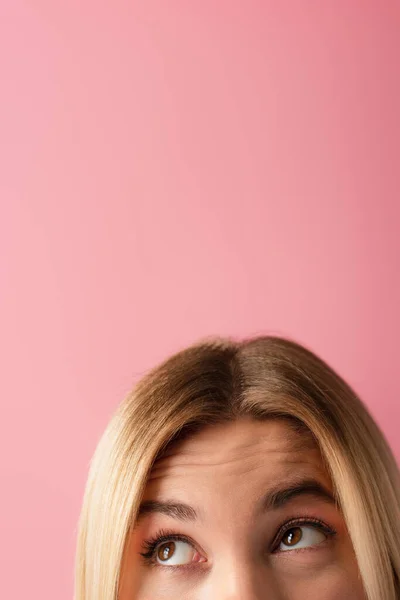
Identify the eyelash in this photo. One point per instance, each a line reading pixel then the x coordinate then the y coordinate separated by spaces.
pixel 301 522
pixel 165 535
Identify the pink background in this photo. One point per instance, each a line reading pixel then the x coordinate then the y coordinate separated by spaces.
pixel 171 170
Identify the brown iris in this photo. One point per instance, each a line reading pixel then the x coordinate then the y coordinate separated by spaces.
pixel 292 536
pixel 166 550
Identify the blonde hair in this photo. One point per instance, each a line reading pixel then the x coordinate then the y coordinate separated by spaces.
pixel 217 380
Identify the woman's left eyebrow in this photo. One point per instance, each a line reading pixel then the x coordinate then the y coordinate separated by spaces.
pixel 279 497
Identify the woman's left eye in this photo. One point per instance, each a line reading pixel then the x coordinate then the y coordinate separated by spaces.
pixel 301 536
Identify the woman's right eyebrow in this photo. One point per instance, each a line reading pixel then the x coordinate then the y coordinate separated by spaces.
pixel 170 508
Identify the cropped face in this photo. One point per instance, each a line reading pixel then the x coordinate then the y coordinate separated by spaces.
pixel 240 511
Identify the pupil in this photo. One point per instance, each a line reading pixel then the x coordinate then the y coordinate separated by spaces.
pixel 166 551
pixel 293 536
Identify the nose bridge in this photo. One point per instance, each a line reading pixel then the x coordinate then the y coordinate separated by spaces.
pixel 233 579
pixel 239 566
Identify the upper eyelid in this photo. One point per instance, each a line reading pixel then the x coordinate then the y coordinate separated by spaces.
pixel 316 523
pixel 170 536
pixel 303 521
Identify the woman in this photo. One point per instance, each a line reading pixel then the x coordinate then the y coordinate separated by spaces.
pixel 241 470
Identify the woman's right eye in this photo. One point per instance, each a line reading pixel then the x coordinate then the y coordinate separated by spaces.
pixel 175 553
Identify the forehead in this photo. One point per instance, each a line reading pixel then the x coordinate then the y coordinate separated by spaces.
pixel 271 448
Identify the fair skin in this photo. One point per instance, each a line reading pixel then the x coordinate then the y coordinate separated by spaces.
pixel 259 522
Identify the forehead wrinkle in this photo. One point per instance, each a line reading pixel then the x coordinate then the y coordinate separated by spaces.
pixel 238 450
pixel 208 458
pixel 238 464
pixel 286 439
